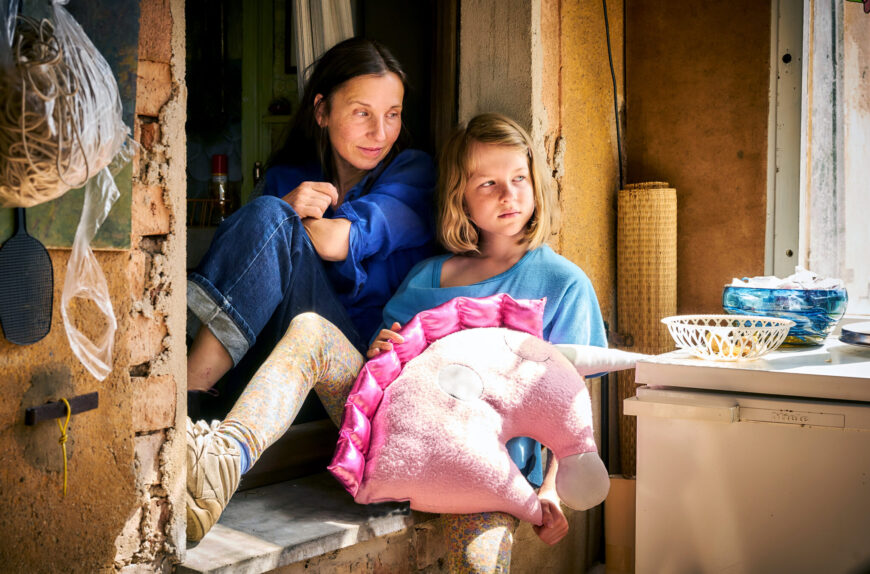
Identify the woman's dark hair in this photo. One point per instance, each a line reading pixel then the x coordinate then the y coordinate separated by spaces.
pixel 306 141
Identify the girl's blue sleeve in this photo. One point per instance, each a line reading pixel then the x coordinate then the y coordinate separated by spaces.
pixel 577 319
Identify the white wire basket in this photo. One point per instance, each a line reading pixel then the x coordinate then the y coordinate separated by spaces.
pixel 727 337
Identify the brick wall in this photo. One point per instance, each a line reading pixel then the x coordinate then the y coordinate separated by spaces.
pixel 153 538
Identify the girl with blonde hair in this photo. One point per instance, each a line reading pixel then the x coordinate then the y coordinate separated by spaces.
pixel 496 209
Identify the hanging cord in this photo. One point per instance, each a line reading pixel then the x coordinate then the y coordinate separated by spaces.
pixel 62 439
pixel 615 105
pixel 39 56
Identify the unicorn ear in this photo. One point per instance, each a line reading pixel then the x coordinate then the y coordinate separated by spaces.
pixel 589 360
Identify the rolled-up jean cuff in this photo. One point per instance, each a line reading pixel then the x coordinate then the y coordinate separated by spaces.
pixel 217 320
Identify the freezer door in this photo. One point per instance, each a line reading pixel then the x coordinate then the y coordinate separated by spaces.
pixel 731 483
pixel 734 407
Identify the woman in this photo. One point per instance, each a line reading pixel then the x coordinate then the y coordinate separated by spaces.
pixel 345 214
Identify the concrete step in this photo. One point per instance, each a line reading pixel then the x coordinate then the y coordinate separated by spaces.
pixel 276 525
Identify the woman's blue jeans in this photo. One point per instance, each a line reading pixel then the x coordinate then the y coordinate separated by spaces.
pixel 260 271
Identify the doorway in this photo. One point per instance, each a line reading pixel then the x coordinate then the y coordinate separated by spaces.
pixel 242 94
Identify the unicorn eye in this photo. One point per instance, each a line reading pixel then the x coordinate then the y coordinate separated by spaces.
pixel 527 347
pixel 460 382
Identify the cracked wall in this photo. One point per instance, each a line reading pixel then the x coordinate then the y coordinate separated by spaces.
pixel 153 536
pixel 124 507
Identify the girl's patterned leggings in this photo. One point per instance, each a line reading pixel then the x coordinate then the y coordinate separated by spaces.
pixel 315 354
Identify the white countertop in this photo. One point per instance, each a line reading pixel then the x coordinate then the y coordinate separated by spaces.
pixel 833 371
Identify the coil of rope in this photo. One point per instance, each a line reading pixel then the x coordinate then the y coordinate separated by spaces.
pixel 43 153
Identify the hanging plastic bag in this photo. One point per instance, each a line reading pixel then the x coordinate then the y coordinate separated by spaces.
pixel 84 277
pixel 102 149
pixel 8 11
pixel 63 122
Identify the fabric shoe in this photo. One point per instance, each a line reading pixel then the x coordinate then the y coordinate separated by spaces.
pixel 213 474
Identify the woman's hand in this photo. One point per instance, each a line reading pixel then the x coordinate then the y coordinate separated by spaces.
pixel 555 525
pixel 312 198
pixel 384 341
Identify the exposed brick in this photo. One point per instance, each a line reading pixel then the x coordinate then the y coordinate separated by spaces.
pixel 128 541
pixel 137 273
pixel 147 448
pixel 146 338
pixel 153 403
pixel 155 29
pixel 158 514
pixel 150 214
pixel 428 543
pixel 153 87
pixel 148 133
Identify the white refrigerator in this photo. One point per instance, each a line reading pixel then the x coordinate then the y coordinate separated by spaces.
pixel 754 466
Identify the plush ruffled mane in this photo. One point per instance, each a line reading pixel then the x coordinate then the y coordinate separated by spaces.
pixel 348 463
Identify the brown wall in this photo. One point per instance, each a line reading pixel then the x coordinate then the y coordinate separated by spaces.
pixel 697 76
pixel 36 520
pixel 588 158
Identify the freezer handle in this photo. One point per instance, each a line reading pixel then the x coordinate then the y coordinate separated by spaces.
pixel 672 410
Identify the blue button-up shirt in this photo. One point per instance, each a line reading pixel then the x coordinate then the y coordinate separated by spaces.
pixel 392 228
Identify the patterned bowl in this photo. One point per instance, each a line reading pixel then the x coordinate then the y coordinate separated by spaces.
pixel 815 311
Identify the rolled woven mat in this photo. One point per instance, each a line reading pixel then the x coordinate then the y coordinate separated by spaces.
pixel 648 185
pixel 646 287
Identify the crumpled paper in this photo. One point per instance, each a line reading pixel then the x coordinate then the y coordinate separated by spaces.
pixel 800 279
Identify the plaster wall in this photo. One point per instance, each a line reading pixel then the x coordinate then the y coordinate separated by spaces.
pixel 697 83
pixel 123 510
pixel 37 521
pixel 856 119
pixel 495 58
pixel 545 64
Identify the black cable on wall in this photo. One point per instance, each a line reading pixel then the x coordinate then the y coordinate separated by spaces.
pixel 615 105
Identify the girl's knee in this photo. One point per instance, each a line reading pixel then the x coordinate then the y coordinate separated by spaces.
pixel 479 543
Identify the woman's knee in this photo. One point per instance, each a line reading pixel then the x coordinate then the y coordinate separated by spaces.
pixel 268 208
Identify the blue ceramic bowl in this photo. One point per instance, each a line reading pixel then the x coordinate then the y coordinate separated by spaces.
pixel 815 311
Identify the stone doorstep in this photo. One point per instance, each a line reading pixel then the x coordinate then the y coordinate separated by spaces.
pixel 276 525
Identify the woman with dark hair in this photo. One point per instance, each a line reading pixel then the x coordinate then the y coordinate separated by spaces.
pixel 345 213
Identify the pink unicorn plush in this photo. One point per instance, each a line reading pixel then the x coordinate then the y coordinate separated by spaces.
pixel 428 421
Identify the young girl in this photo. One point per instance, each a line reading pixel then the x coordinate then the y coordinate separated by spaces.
pixel 495 210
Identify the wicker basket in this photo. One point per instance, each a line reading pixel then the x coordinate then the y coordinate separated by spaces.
pixel 728 337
